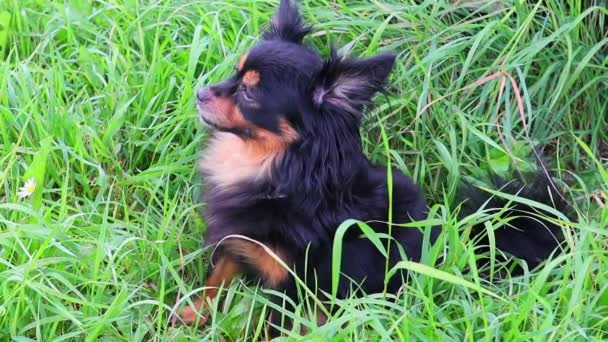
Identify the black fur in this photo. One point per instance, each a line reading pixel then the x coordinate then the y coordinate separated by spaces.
pixel 323 178
pixel 530 234
pixel 287 24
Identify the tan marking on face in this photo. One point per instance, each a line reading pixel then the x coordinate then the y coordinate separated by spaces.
pixel 241 62
pixel 230 159
pixel 271 271
pixel 251 78
pixel 222 111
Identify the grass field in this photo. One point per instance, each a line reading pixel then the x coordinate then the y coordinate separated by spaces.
pixel 96 106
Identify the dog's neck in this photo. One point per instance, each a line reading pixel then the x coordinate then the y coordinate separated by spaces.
pixel 230 160
pixel 280 164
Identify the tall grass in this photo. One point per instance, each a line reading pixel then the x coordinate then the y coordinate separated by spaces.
pixel 96 105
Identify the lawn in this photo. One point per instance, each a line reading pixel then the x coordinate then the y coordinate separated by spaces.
pixel 97 108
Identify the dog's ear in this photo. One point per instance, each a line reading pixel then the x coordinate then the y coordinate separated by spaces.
pixel 350 83
pixel 287 24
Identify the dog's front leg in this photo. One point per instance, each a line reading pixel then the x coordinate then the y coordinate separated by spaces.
pixel 221 275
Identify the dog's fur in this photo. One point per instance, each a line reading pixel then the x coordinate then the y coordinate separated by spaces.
pixel 285 167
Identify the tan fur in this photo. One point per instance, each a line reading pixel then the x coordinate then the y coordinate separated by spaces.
pixel 241 63
pixel 251 78
pixel 229 159
pixel 223 112
pixel 321 319
pixel 222 274
pixel 273 273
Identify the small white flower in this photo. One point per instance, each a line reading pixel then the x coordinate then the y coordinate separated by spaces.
pixel 27 189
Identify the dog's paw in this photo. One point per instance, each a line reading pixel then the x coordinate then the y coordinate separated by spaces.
pixel 191 314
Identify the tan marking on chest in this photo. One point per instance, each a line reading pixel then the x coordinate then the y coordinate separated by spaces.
pixel 229 159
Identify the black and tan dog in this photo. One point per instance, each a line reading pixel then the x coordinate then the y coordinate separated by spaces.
pixel 285 167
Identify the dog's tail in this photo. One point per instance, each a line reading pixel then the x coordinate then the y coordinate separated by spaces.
pixel 527 217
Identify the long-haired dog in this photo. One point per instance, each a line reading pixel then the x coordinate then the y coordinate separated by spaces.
pixel 285 168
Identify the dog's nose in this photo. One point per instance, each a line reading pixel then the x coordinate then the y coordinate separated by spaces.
pixel 203 95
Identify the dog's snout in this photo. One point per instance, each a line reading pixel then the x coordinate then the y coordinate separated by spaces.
pixel 203 95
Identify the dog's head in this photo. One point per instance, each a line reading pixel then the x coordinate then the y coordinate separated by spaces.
pixel 283 90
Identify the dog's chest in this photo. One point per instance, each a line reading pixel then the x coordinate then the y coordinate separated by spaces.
pixel 229 160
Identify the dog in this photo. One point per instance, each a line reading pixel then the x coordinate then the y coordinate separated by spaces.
pixel 284 168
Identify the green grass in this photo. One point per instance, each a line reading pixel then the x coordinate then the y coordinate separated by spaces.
pixel 96 104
